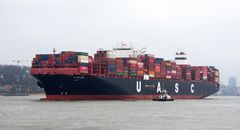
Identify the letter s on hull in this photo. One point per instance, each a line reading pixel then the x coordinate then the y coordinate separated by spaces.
pixel 176 88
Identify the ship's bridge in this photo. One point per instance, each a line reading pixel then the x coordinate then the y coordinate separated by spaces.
pixel 124 51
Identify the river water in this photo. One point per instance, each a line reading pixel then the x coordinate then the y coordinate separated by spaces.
pixel 29 113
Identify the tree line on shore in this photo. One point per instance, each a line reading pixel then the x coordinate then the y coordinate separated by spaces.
pixel 15 79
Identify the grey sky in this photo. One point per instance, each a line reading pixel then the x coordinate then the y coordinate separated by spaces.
pixel 208 30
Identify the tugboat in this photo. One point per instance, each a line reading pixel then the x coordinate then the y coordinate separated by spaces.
pixel 164 96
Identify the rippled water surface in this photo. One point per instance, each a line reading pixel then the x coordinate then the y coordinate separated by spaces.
pixel 29 113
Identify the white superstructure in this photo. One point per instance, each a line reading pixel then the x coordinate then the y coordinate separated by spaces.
pixel 124 51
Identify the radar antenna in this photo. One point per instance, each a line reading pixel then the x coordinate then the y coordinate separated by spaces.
pixel 54 51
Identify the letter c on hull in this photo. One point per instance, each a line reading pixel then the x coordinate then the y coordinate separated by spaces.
pixel 192 88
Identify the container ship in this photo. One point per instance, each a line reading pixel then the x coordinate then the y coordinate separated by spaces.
pixel 122 73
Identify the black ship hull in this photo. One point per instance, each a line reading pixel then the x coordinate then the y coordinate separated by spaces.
pixel 76 87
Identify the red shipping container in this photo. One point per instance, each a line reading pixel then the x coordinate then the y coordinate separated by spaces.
pixel 157 70
pixel 151 72
pixel 169 72
pixel 133 65
pixel 150 60
pixel 83 68
pixel 140 73
pixel 157 66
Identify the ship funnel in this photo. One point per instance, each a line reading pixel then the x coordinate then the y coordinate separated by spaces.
pixel 181 58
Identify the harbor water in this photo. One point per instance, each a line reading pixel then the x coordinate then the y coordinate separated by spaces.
pixel 30 113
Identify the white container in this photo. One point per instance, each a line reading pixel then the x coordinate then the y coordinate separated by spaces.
pixel 146 77
pixel 83 61
pixel 204 77
pixel 140 63
pixel 110 54
pixel 168 77
pixel 83 57
pixel 216 79
pixel 151 75
pixel 132 62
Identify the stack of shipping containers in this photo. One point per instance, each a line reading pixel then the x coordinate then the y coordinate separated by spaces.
pixel 158 67
pixel 111 66
pixel 149 65
pixel 125 67
pixel 41 60
pixel 69 62
pixel 133 66
pixel 140 68
pixel 186 72
pixel 69 59
pixel 179 72
pixel 213 74
pixel 174 69
pixel 196 73
pixel 217 78
pixel 57 60
pixel 83 61
pixel 163 69
pixel 100 65
pixel 119 66
pixel 90 65
pixel 203 73
pixel 168 71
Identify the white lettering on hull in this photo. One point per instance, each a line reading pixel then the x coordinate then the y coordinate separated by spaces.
pixel 192 88
pixel 159 87
pixel 138 86
pixel 176 88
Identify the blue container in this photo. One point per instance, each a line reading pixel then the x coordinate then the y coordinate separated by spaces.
pixel 158 60
pixel 44 57
pixel 84 64
pixel 112 68
pixel 56 55
pixel 125 61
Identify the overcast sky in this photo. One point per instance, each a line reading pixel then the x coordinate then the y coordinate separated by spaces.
pixel 208 30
